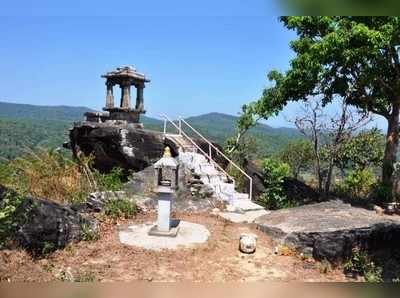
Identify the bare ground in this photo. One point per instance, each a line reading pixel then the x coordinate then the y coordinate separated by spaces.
pixel 216 261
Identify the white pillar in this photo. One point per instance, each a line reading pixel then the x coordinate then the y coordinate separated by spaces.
pixel 164 212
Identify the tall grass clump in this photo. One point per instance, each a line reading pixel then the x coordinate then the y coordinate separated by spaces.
pixel 52 175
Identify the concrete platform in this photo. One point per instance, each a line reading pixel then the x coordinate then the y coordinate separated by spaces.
pixel 189 235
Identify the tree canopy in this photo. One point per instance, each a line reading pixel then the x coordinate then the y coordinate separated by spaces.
pixel 354 58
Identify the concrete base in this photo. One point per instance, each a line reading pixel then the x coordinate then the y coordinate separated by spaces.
pixel 189 234
pixel 154 231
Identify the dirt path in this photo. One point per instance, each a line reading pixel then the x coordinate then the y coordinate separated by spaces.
pixel 218 260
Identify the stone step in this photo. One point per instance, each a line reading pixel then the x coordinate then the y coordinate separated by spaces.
pixel 241 196
pixel 246 217
pixel 241 205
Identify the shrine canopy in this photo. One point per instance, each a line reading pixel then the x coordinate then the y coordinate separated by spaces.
pixel 125 73
pixel 125 77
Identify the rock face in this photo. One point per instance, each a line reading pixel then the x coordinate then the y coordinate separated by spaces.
pixel 124 146
pixel 116 146
pixel 330 230
pixel 44 225
pixel 184 200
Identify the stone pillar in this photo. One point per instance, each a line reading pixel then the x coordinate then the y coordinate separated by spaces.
pixel 125 95
pixel 110 96
pixel 139 98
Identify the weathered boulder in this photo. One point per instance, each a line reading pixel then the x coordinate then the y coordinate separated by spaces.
pixel 116 146
pixel 184 200
pixel 330 230
pixel 40 225
pixel 125 146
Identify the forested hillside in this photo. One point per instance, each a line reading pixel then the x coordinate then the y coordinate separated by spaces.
pixel 24 127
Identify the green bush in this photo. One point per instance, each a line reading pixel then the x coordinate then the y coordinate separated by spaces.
pixel 88 234
pixel 120 208
pixel 9 215
pixel 361 264
pixel 112 181
pixel 274 173
pixel 358 184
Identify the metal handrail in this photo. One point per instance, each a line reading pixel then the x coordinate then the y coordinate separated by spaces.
pixel 222 154
pixel 210 145
pixel 190 139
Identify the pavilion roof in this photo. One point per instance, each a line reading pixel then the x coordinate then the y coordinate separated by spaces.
pixel 124 72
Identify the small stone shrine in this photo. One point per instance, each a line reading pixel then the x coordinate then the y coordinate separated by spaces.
pixel 125 77
pixel 166 183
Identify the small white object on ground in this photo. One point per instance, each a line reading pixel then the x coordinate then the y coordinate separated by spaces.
pixel 189 234
pixel 247 243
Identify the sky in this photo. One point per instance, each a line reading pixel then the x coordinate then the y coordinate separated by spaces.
pixel 212 56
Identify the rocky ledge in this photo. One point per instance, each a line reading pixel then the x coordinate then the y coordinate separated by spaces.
pixel 330 230
pixel 125 146
pixel 40 225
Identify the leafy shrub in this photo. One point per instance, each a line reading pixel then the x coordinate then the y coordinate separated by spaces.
pixel 88 234
pixel 381 193
pixel 298 154
pixel 361 264
pixel 48 248
pixel 112 181
pixel 120 208
pixel 358 183
pixel 9 215
pixel 274 173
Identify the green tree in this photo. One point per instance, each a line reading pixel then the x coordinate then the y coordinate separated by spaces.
pixel 362 151
pixel 274 173
pixel 298 155
pixel 354 58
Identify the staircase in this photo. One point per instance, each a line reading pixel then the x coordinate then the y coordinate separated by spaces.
pixel 209 172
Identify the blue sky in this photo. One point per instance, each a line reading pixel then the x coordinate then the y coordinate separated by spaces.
pixel 212 57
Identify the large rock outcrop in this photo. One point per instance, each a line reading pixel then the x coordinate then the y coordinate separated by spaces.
pixel 330 230
pixel 123 146
pixel 39 225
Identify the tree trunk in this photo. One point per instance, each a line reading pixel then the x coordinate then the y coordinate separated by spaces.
pixel 329 177
pixel 392 142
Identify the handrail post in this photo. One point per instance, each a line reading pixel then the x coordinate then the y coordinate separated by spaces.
pixel 165 126
pixel 209 151
pixel 180 125
pixel 251 189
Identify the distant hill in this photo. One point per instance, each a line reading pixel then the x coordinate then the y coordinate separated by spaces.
pixel 218 127
pixel 25 111
pixel 24 127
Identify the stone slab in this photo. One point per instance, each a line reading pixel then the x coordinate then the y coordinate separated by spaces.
pixel 246 205
pixel 189 235
pixel 329 230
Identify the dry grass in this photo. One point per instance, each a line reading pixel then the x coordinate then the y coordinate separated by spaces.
pixel 49 174
pixel 218 260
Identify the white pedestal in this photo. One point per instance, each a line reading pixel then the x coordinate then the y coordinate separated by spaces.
pixel 164 225
pixel 164 213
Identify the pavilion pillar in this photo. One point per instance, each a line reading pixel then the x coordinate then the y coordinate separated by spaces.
pixel 125 95
pixel 110 96
pixel 139 98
